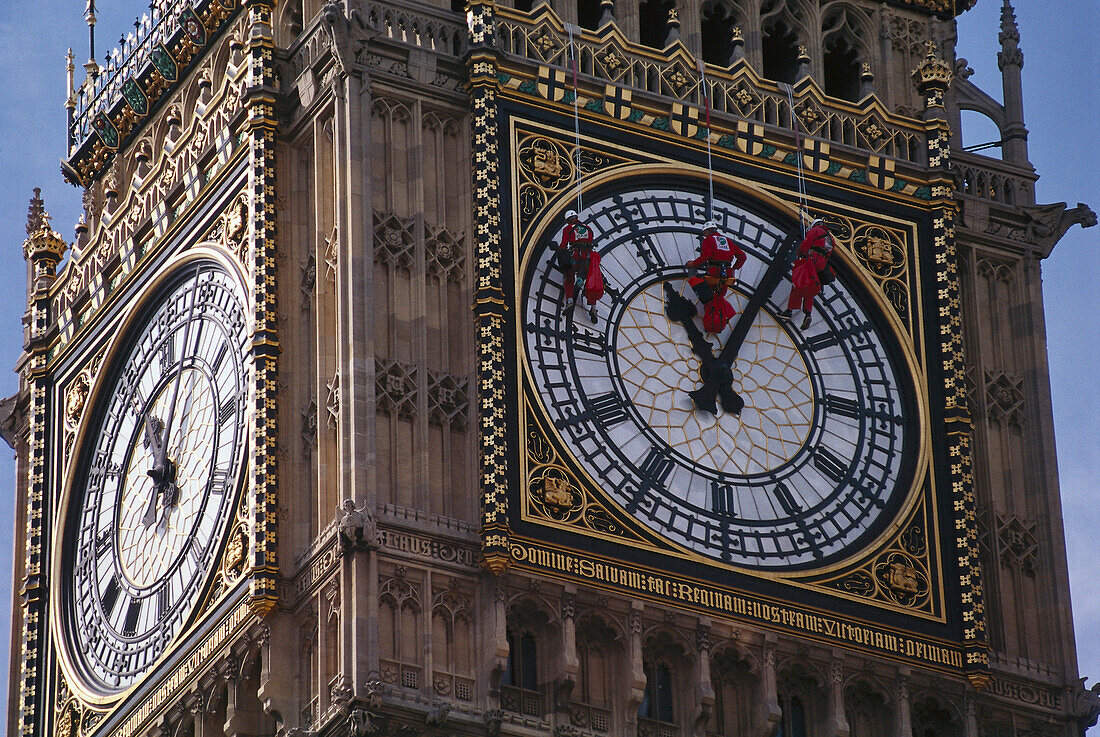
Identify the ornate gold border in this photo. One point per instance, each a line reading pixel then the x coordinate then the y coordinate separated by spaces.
pixel 916 374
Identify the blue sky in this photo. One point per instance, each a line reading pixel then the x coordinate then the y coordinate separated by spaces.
pixel 1061 109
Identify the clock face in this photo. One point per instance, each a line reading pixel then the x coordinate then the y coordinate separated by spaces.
pixel 821 453
pixel 157 477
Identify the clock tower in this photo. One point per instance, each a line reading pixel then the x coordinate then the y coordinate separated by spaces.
pixel 593 367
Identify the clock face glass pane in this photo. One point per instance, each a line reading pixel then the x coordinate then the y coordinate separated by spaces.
pixel 141 539
pixel 816 459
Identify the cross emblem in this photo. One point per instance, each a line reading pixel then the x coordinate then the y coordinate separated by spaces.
pixel 750 137
pixel 551 83
pixel 617 101
pixel 815 154
pixel 880 172
pixel 684 119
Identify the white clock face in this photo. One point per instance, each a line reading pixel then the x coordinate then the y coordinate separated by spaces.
pixel 157 479
pixel 821 451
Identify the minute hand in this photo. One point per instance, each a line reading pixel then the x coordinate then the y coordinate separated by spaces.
pixel 717 383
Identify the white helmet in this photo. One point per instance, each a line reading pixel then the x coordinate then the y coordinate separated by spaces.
pixel 710 225
pixel 570 214
pixel 818 221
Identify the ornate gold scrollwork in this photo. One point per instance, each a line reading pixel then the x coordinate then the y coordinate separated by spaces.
pixel 899 574
pixel 882 253
pixel 554 494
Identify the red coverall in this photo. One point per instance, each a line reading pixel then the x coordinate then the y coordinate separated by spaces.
pixel 715 255
pixel 581 260
pixel 813 257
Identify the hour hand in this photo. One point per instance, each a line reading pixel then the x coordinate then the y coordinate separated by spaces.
pixel 717 377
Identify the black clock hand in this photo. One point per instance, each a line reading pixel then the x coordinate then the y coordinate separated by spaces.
pixel 711 371
pixel 718 376
pixel 153 428
pixel 163 471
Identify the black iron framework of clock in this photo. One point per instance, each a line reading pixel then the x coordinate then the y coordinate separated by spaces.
pixel 819 458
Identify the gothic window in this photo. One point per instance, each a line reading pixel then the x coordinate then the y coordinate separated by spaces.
pixel 452 633
pixel 780 53
pixel 932 719
pixel 735 692
pixel 588 14
pixel 522 670
pixel 399 630
pixel 866 710
pixel 841 70
pixel 653 22
pixel 594 693
pixel 802 702
pixel 528 649
pixel 793 723
pixel 663 661
pixel 843 38
pixel 716 29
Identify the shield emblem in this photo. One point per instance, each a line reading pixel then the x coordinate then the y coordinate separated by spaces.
pixel 880 172
pixel 551 83
pixel 135 97
pixel 750 137
pixel 193 27
pixel 164 63
pixel 106 131
pixel 684 119
pixel 617 101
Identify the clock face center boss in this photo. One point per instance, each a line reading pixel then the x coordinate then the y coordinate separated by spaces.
pixel 686 396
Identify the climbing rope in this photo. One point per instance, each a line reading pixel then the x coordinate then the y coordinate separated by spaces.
pixel 804 213
pixel 576 115
pixel 710 163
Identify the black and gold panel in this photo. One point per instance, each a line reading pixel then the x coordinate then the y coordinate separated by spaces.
pixel 773 471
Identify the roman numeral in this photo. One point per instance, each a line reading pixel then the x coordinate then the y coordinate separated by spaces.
pixel 842 406
pixel 655 469
pixel 219 357
pixel 219 479
pixel 786 499
pixel 110 597
pixel 827 462
pixel 225 412
pixel 103 540
pixel 721 498
pixel 609 409
pixel 167 354
pixel 595 345
pixel 649 253
pixel 818 342
pixel 163 602
pixel 133 612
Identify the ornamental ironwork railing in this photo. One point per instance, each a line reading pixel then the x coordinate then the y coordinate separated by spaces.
pixel 104 83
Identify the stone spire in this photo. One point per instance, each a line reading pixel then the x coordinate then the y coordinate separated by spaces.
pixel 37 219
pixel 1010 59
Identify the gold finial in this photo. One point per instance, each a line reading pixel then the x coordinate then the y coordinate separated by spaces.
pixel 673 16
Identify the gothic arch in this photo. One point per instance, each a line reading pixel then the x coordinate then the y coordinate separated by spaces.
pixel 934 716
pixel 868 707
pixel 735 678
pixel 785 27
pixel 717 19
pixel 846 42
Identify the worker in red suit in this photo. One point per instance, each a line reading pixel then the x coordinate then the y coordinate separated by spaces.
pixel 810 270
pixel 578 259
pixel 718 262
